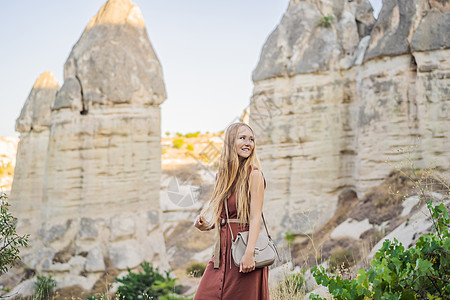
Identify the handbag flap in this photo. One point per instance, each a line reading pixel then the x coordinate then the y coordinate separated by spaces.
pixel 261 242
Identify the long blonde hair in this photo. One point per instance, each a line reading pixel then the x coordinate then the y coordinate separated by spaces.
pixel 232 174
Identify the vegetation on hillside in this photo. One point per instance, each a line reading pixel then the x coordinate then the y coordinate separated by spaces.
pixel 10 241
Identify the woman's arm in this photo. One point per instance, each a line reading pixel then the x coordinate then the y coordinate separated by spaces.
pixel 256 204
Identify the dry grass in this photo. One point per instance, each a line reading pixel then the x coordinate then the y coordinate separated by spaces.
pixel 308 252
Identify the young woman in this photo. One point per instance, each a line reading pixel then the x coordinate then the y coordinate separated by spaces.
pixel 240 185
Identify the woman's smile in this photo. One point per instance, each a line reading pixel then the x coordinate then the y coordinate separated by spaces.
pixel 244 142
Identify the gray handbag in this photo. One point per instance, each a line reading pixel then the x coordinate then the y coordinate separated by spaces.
pixel 265 248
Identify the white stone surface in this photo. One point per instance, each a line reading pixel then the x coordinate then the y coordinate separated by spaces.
pixel 122 226
pixel 95 260
pixel 125 254
pixel 351 228
pixel 25 288
pixel 408 204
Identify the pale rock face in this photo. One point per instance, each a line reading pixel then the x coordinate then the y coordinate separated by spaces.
pixel 392 32
pixel 351 228
pixel 365 20
pixel 95 260
pixel 125 254
pixel 100 163
pixel 441 5
pixel 35 114
pixel 433 32
pixel 299 45
pixel 341 125
pixel 432 94
pixel 113 62
pixel 34 126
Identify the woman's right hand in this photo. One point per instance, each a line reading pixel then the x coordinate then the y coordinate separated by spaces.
pixel 201 223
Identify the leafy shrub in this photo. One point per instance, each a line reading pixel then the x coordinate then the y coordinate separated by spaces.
pixel 10 241
pixel 44 286
pixel 167 133
pixel 178 143
pixel 190 147
pixel 340 259
pixel 163 150
pixel 196 269
pixel 421 272
pixel 326 21
pixel 149 284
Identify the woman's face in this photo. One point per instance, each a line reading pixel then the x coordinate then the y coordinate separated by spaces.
pixel 244 142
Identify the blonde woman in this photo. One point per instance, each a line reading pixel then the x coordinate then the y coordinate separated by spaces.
pixel 239 184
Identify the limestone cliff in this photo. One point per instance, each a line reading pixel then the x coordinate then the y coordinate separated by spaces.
pixel 34 127
pixel 330 105
pixel 97 201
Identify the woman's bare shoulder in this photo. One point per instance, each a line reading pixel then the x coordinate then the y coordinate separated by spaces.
pixel 258 174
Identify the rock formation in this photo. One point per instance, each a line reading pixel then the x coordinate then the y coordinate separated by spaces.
pixel 331 104
pixel 100 163
pixel 34 127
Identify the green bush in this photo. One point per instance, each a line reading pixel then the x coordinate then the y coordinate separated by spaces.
pixel 196 269
pixel 148 285
pixel 44 286
pixel 420 272
pixel 178 143
pixel 190 147
pixel 10 241
pixel 167 133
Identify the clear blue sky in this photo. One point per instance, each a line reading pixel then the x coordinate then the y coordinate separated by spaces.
pixel 208 50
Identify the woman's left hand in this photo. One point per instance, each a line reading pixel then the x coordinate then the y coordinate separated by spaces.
pixel 247 263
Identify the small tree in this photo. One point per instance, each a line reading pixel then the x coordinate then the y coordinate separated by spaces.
pixel 10 241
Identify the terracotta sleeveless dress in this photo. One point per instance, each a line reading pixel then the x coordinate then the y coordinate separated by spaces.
pixel 230 284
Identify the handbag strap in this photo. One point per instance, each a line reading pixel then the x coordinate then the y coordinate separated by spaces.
pixel 225 203
pixel 237 221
